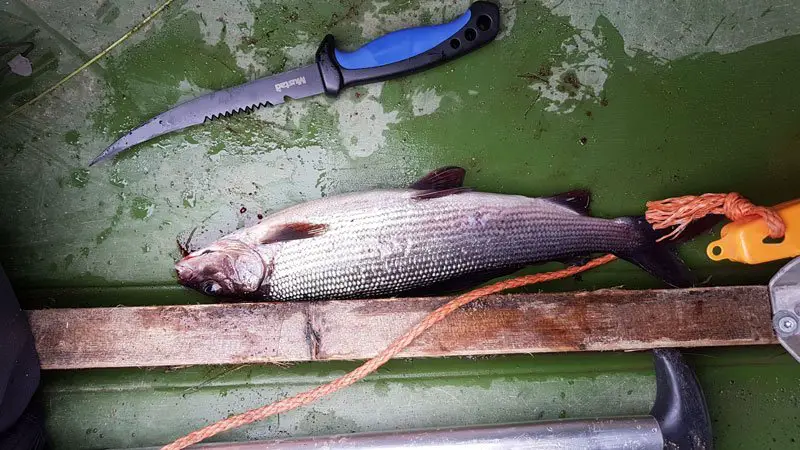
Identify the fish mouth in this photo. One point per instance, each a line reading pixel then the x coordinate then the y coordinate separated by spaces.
pixel 181 267
pixel 184 272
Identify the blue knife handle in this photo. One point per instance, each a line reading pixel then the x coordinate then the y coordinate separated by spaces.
pixel 406 51
pixel 400 45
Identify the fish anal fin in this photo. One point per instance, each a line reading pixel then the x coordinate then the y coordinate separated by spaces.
pixel 425 195
pixel 292 231
pixel 442 178
pixel 577 200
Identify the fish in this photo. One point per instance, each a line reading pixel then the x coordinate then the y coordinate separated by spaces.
pixel 433 237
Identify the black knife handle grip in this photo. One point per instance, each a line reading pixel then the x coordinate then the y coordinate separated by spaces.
pixel 407 51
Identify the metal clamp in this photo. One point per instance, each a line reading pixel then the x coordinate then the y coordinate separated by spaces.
pixel 784 293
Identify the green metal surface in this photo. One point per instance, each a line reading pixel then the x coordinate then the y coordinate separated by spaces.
pixel 752 394
pixel 634 100
pixel 568 96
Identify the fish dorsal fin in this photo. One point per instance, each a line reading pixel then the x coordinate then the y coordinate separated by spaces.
pixel 292 231
pixel 577 200
pixel 440 179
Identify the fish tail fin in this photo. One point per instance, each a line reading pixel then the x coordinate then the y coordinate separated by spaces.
pixel 657 258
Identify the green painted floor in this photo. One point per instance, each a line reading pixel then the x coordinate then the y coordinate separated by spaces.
pixel 634 100
pixel 752 394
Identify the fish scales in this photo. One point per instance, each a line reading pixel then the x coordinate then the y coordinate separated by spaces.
pixel 433 237
pixel 405 243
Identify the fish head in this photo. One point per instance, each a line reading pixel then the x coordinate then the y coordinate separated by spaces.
pixel 226 268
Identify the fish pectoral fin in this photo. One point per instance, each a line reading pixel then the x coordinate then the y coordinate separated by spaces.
pixel 292 231
pixel 424 195
pixel 577 200
pixel 441 178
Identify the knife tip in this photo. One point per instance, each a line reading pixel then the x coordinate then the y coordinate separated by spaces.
pixel 95 161
pixel 99 158
pixel 109 152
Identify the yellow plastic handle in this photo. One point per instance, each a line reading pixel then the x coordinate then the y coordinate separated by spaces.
pixel 749 242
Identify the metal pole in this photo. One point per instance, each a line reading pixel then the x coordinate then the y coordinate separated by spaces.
pixel 633 433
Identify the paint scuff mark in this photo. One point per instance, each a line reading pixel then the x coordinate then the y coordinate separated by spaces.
pixel 301 53
pixel 508 17
pixel 425 102
pixel 231 25
pixel 579 79
pixel 672 30
pixel 189 91
pixel 363 121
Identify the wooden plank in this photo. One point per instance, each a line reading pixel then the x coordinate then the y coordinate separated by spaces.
pixel 358 329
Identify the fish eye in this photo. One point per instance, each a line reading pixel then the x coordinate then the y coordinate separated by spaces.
pixel 211 287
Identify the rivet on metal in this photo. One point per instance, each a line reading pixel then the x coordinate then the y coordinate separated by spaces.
pixel 787 324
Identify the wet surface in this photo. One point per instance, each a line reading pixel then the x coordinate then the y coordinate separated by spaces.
pixel 752 395
pixel 573 97
pixel 632 100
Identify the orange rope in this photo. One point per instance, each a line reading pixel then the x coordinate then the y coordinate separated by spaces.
pixel 678 211
pixel 373 364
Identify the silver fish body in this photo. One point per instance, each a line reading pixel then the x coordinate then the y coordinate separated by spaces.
pixel 390 242
pixel 381 243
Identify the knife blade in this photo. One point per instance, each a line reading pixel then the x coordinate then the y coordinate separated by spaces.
pixel 390 56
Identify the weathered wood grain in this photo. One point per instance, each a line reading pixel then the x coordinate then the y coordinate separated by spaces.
pixel 358 329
